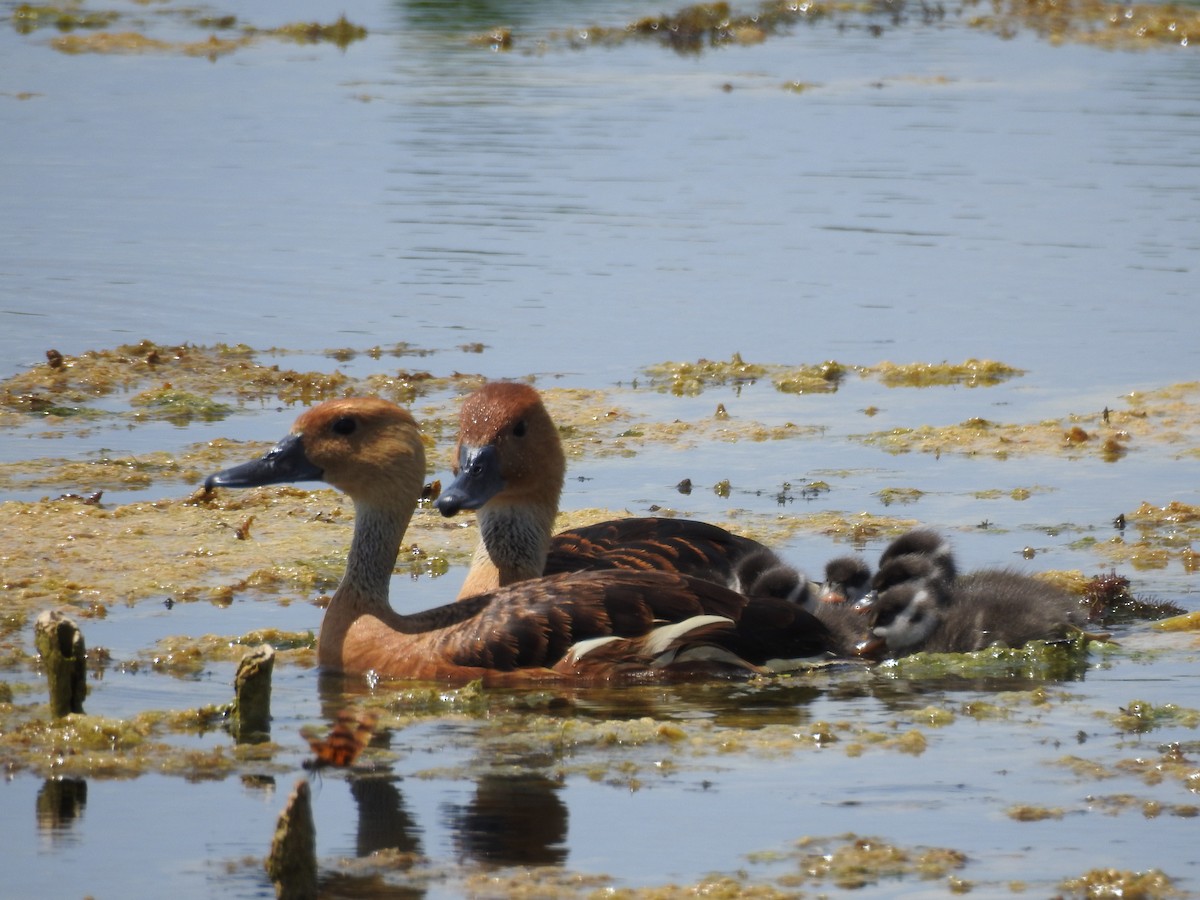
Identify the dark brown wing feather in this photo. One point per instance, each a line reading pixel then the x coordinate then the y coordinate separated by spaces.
pixel 534 623
pixel 776 628
pixel 649 543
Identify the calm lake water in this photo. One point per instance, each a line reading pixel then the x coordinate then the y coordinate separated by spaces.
pixel 861 190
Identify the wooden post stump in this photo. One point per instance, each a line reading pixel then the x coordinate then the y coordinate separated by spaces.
pixel 60 644
pixel 292 864
pixel 251 717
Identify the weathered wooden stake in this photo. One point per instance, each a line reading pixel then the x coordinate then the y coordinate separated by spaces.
pixel 251 717
pixel 60 644
pixel 292 864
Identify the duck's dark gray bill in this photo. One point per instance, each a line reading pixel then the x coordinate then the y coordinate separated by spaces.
pixel 478 481
pixel 283 463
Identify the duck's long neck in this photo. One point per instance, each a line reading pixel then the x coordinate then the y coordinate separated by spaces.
pixel 363 591
pixel 374 548
pixel 514 543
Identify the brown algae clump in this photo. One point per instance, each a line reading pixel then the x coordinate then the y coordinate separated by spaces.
pixel 187 656
pixel 128 42
pixel 971 373
pixel 179 407
pixel 179 382
pixel 1024 813
pixel 852 862
pixel 1039 660
pixel 1163 418
pixel 690 379
pixel 100 747
pixel 1096 22
pixel 1152 885
pixel 27 17
pixel 1139 716
pixel 1154 537
pixel 341 33
pixel 824 378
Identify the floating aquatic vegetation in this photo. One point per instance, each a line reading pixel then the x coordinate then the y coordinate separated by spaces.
pixel 71 17
pixel 971 373
pixel 1065 660
pixel 178 407
pixel 409 700
pixel 342 33
pixel 184 382
pixel 1140 717
pixel 1108 599
pixel 850 861
pixel 694 28
pixel 1186 622
pixel 888 496
pixel 690 379
pixel 823 378
pixel 1158 418
pixel 129 42
pixel 1173 514
pixel 1110 25
pixel 1027 813
pixel 1153 537
pixel 184 655
pixel 26 17
pixel 100 747
pixel 1151 885
pixel 297 547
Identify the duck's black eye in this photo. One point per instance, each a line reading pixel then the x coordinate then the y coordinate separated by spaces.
pixel 519 429
pixel 344 425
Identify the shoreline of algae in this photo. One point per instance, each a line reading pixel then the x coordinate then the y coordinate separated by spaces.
pixel 293 540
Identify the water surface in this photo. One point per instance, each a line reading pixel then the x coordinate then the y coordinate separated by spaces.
pixel 934 192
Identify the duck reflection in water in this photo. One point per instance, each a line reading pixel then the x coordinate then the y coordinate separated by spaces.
pixel 512 820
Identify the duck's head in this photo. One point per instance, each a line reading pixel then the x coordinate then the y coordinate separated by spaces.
pixel 902 618
pixel 508 447
pixel 926 543
pixel 909 567
pixel 847 580
pixel 365 446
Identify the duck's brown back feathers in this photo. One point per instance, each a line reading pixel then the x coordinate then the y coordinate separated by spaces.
pixel 683 546
pixel 535 623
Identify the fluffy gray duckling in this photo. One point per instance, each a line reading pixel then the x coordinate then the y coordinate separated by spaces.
pixel 980 609
pixel 847 580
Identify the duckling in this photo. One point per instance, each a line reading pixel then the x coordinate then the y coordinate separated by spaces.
pixel 991 606
pixel 510 468
pixel 847 580
pixel 762 573
pixel 846 625
pixel 648 622
pixel 920 553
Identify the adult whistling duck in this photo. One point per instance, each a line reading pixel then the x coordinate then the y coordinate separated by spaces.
pixel 588 625
pixel 510 468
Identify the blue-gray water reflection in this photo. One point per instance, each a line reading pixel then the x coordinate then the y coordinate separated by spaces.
pixel 936 194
